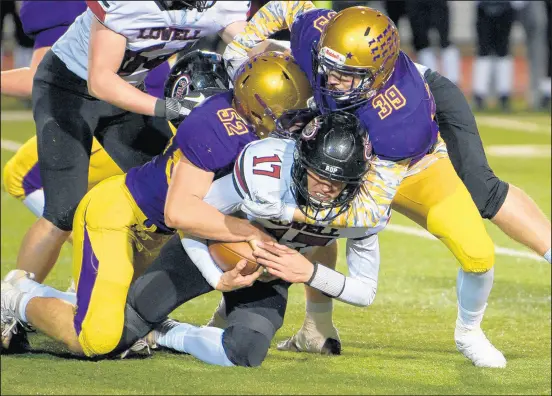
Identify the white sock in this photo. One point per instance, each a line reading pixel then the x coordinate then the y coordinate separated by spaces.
pixel 204 343
pixel 504 75
pixel 473 290
pixel 450 58
pixel 547 256
pixel 427 58
pixel 482 76
pixel 35 289
pixel 35 202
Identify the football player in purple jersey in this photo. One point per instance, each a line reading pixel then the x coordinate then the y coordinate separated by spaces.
pixel 123 222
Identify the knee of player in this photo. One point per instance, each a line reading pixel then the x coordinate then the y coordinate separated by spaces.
pixel 245 347
pixel 98 342
pixel 13 179
pixel 481 257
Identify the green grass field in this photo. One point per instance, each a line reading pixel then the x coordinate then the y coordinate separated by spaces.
pixel 402 344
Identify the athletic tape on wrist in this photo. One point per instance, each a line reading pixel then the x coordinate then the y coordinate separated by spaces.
pixel 326 280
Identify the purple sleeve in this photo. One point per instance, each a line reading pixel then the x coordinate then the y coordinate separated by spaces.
pixel 46 21
pixel 306 30
pixel 155 80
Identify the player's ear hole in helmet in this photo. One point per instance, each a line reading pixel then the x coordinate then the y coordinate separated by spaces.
pixel 266 87
pixel 354 58
pixel 331 157
pixel 188 5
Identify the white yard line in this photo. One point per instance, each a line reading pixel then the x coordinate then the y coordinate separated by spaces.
pixel 420 232
pixel 512 124
pixel 12 115
pixel 519 150
pixel 10 145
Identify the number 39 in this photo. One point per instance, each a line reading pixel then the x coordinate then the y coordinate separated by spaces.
pixel 391 99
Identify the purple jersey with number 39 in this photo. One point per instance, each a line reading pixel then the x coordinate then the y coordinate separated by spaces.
pixel 400 117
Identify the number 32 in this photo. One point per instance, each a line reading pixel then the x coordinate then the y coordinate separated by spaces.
pixel 391 99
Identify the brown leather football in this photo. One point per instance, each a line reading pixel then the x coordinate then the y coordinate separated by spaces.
pixel 227 255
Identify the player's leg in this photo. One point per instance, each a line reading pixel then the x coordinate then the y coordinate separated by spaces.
pixel 482 67
pixel 419 15
pixel 450 54
pixel 255 314
pixel 504 61
pixel 436 199
pixel 318 333
pixel 22 177
pixel 104 251
pixel 509 207
pixel 64 142
pixel 170 281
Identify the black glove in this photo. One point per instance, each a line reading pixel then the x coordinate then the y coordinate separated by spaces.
pixel 176 110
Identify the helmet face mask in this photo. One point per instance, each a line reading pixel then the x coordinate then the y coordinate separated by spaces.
pixel 334 147
pixel 357 95
pixel 360 43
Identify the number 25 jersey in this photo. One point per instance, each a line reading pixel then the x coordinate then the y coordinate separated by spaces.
pixel 153 33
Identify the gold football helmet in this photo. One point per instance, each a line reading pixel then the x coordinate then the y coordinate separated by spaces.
pixel 360 42
pixel 267 86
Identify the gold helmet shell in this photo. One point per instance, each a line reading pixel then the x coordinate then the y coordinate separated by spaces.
pixel 266 86
pixel 363 42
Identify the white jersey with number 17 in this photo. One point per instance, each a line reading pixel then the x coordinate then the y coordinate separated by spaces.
pixel 153 33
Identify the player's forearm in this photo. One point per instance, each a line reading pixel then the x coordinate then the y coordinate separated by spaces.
pixel 197 218
pixel 344 288
pixel 17 82
pixel 108 86
pixel 271 18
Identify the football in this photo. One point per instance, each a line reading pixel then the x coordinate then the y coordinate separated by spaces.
pixel 227 255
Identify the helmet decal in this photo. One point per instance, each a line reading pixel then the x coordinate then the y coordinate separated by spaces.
pixel 181 87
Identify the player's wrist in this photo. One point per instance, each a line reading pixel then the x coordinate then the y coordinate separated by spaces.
pixel 326 280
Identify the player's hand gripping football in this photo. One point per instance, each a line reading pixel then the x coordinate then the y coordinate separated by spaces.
pixel 233 279
pixel 283 262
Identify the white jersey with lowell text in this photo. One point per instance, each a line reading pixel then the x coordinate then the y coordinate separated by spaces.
pixel 153 33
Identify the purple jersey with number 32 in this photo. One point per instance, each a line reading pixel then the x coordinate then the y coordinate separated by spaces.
pixel 400 118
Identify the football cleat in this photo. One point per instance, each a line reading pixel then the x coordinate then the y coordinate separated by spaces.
pixel 477 348
pixel 159 330
pixel 14 276
pixel 139 346
pixel 312 342
pixel 10 323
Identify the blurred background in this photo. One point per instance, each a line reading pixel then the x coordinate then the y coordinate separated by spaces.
pixel 498 52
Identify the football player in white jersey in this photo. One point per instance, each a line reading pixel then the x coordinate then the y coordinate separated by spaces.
pixel 321 173
pixel 89 84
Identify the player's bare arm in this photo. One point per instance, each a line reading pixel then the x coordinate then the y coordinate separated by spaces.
pixel 19 82
pixel 185 209
pixel 106 52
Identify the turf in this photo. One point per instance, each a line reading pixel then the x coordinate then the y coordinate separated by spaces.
pixel 402 344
